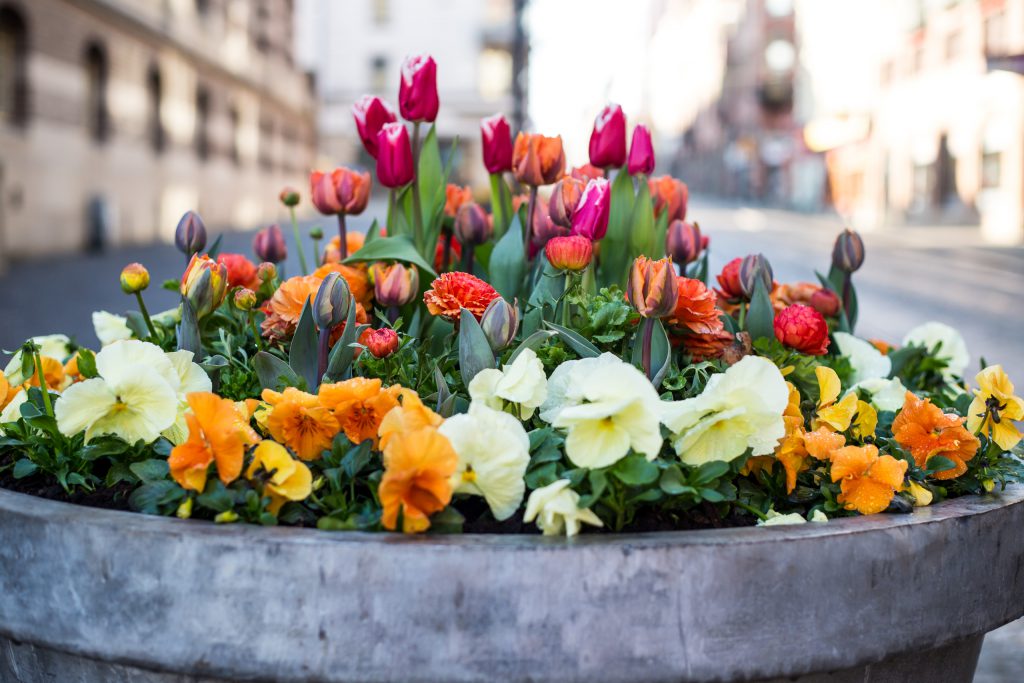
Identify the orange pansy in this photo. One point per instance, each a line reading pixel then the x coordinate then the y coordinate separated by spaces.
pixel 53 373
pixel 299 421
pixel 869 481
pixel 791 451
pixel 418 466
pixel 7 391
pixel 360 405
pixel 923 429
pixel 822 442
pixel 216 433
pixel 411 416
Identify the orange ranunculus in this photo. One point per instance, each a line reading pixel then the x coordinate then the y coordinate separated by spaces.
pixel 652 287
pixel 538 160
pixel 670 196
pixel 299 421
pixel 353 240
pixel 412 416
pixel 695 309
pixel 923 429
pixel 418 466
pixel 702 347
pixel 53 373
pixel 216 433
pixel 787 294
pixel 869 481
pixel 285 306
pixel 791 451
pixel 360 405
pixel 451 292
pixel 454 197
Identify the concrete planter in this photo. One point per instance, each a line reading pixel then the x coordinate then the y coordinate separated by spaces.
pixel 89 595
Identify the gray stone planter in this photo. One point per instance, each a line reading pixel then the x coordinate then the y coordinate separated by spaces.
pixel 89 595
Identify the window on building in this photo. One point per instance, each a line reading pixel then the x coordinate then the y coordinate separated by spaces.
pixel 202 129
pixel 235 119
pixel 381 11
pixel 155 96
pixel 495 73
pixel 991 169
pixel 13 68
pixel 97 116
pixel 379 76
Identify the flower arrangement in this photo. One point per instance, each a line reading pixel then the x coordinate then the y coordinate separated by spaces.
pixel 559 360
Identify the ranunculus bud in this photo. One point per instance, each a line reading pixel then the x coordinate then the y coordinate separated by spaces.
pixel 565 197
pixel 417 95
pixel 496 137
pixel 190 235
pixel 608 139
pixel 269 245
pixel 571 253
pixel 472 225
pixel 590 219
pixel 266 271
pixel 371 113
pixel 316 233
pixel 394 156
pixel 500 322
pixel 332 301
pixel 826 302
pixel 754 268
pixel 848 253
pixel 652 287
pixel 289 197
pixel 641 152
pixel 538 160
pixel 134 278
pixel 204 284
pixel 380 343
pixel 683 242
pixel 245 299
pixel 729 280
pixel 394 285
pixel 670 196
pixel 340 191
pixel 802 328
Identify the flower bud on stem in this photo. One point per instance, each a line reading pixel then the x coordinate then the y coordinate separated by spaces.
pixel 298 241
pixel 42 380
pixel 145 316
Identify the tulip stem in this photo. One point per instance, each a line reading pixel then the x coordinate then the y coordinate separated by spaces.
pixel 391 212
pixel 529 221
pixel 446 255
pixel 498 205
pixel 42 382
pixel 566 288
pixel 417 208
pixel 392 314
pixel 145 316
pixel 648 339
pixel 742 315
pixel 467 258
pixel 321 356
pixel 342 236
pixel 298 241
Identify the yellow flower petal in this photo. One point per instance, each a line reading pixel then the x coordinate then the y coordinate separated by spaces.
pixel 828 385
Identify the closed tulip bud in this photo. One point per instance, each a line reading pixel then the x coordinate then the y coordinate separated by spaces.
pixel 340 191
pixel 269 245
pixel 380 343
pixel 266 272
pixel 753 269
pixel 394 156
pixel 134 278
pixel 316 233
pixel 289 197
pixel 394 285
pixel 332 301
pixel 245 299
pixel 472 225
pixel 565 197
pixel 641 152
pixel 496 138
pixel 826 302
pixel 371 113
pixel 670 196
pixel 652 287
pixel 848 253
pixel 590 219
pixel 417 95
pixel 538 160
pixel 204 284
pixel 500 322
pixel 572 253
pixel 683 242
pixel 608 139
pixel 190 235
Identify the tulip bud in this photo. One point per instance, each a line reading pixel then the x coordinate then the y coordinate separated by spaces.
pixel 332 301
pixel 826 302
pixel 848 253
pixel 134 278
pixel 394 285
pixel 538 160
pixel 755 268
pixel 496 137
pixel 204 284
pixel 245 299
pixel 544 228
pixel 266 272
pixel 729 280
pixel 472 225
pixel 590 218
pixel 571 253
pixel 641 152
pixel 683 242
pixel 565 197
pixel 380 343
pixel 190 235
pixel 371 113
pixel 417 95
pixel 670 196
pixel 269 245
pixel 608 139
pixel 289 197
pixel 500 322
pixel 394 156
pixel 652 287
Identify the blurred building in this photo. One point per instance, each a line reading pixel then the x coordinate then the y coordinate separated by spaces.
pixel 116 116
pixel 357 48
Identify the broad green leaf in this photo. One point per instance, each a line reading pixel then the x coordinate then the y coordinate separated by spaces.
pixel 149 471
pixel 392 249
pixel 534 341
pixel 501 204
pixel 598 484
pixel 474 350
pixel 938 463
pixel 635 470
pixel 274 373
pixel 24 468
pixel 576 342
pixel 188 330
pixel 761 315
pixel 708 472
pixel 615 245
pixel 87 363
pixel 660 233
pixel 302 354
pixel 214 250
pixel 641 231
pixel 507 264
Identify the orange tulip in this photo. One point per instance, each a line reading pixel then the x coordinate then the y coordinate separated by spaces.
pixel 869 481
pixel 922 428
pixel 669 195
pixel 454 197
pixel 299 421
pixel 652 287
pixel 216 433
pixel 538 160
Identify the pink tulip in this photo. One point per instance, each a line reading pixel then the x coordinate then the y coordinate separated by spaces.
pixel 590 219
pixel 371 113
pixel 497 144
pixel 394 156
pixel 641 152
pixel 608 140
pixel 417 96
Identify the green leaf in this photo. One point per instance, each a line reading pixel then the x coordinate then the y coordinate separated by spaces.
pixel 149 471
pixel 188 330
pixel 87 363
pixel 938 463
pixel 357 458
pixel 24 468
pixel 711 495
pixel 660 233
pixel 474 351
pixel 534 341
pixel 578 344
pixel 273 372
pixel 501 204
pixel 149 498
pixel 673 482
pixel 343 353
pixel 641 232
pixel 398 248
pixel 598 484
pixel 635 470
pixel 615 247
pixel 447 521
pixel 216 497
pixel 661 351
pixel 137 324
pixel 508 262
pixel 214 250
pixel 708 472
pixel 761 316
pixel 302 354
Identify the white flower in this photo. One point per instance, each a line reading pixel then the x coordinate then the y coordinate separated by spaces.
pixel 109 327
pixel 738 409
pixel 522 383
pixel 12 411
pixel 778 519
pixel 606 407
pixel 56 346
pixel 886 394
pixel 953 348
pixel 818 517
pixel 556 508
pixel 494 452
pixel 190 378
pixel 867 361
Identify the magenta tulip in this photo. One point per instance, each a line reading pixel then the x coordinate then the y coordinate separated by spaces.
pixel 590 219
pixel 371 113
pixel 608 140
pixel 641 152
pixel 417 96
pixel 497 143
pixel 394 156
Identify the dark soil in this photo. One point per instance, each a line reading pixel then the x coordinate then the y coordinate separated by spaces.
pixel 115 498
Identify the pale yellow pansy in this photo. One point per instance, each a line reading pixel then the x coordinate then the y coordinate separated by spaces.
pixel 522 383
pixel 944 342
pixel 556 508
pixel 110 327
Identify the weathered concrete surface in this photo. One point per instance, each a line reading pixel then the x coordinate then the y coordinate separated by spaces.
pixel 200 602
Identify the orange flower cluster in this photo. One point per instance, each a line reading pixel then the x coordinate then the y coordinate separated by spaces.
pixel 332 252
pixel 285 306
pixel 218 432
pixel 923 429
pixel 696 323
pixel 452 292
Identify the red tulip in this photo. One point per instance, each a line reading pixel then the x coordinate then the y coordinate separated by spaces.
pixel 569 253
pixel 394 156
pixel 590 219
pixel 683 242
pixel 641 152
pixel 417 96
pixel 729 280
pixel 802 328
pixel 608 140
pixel 371 113
pixel 497 144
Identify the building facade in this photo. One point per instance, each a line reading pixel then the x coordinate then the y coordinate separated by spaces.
pixel 116 116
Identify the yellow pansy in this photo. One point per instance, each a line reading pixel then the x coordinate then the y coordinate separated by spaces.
pixel 922 495
pixel 865 422
pixel 287 478
pixel 995 407
pixel 833 413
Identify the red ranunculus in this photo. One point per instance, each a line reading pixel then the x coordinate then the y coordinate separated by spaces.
pixel 802 328
pixel 729 280
pixel 452 292
pixel 241 271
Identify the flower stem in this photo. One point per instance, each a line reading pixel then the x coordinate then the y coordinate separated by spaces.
pixel 417 209
pixel 467 259
pixel 751 509
pixel 392 314
pixel 316 253
pixel 298 241
pixel 529 221
pixel 343 237
pixel 321 357
pixel 742 316
pixel 42 382
pixel 255 331
pixel 648 339
pixel 566 288
pixel 498 205
pixel 391 212
pixel 145 316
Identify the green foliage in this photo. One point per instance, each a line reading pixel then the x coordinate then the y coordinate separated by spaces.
pixel 608 319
